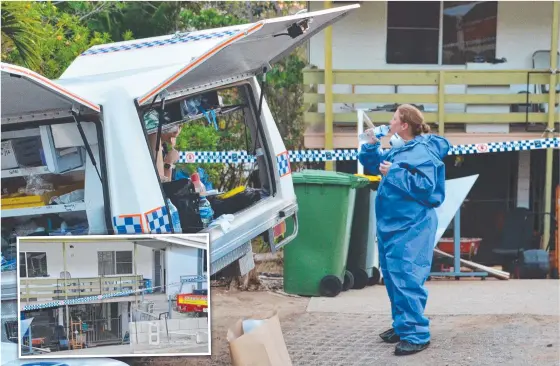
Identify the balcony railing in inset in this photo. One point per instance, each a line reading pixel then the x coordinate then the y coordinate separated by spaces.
pixel 48 289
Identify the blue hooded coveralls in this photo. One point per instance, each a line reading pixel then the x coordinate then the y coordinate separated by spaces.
pixel 407 224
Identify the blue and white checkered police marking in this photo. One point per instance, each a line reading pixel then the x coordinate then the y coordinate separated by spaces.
pixel 128 224
pixel 297 156
pixel 165 42
pixel 230 157
pixel 283 161
pixel 505 146
pixel 158 221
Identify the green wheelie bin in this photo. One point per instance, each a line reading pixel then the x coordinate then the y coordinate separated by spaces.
pixel 363 257
pixel 315 262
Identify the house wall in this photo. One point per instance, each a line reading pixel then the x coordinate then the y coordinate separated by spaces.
pixel 181 261
pixel 359 39
pixel 82 259
pixel 359 43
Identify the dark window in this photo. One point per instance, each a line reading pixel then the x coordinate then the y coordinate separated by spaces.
pixel 413 32
pixel 469 31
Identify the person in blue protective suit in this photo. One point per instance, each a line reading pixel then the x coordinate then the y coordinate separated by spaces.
pixel 412 186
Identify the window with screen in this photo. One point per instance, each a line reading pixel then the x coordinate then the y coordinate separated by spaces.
pixel 106 263
pixel 33 264
pixel 114 262
pixel 123 262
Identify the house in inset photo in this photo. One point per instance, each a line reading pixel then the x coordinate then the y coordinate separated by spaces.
pixel 113 295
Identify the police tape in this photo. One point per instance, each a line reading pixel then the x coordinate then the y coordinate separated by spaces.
pixel 95 298
pixel 297 156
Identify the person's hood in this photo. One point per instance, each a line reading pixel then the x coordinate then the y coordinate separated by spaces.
pixel 437 144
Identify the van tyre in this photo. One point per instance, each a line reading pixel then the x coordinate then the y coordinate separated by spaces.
pixel 375 277
pixel 330 286
pixel 361 279
pixel 348 281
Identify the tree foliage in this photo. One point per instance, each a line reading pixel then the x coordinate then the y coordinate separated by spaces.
pixel 21 31
pixel 47 37
pixel 56 37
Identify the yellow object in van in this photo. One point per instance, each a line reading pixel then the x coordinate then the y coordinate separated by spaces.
pixel 232 192
pixel 371 178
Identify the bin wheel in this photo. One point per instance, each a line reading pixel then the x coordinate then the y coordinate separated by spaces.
pixel 330 286
pixel 348 281
pixel 375 277
pixel 361 278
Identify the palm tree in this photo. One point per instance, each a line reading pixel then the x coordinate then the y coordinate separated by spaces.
pixel 21 31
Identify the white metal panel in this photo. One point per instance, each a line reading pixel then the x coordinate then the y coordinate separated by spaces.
pixel 133 185
pixel 192 61
pixel 148 53
pixel 456 190
pixel 133 82
pixel 26 93
pixel 247 53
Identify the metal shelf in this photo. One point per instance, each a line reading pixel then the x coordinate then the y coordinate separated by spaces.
pixel 21 172
pixel 44 210
pixel 221 111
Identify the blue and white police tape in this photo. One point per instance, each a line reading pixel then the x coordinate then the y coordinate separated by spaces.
pixel 193 278
pixel 95 298
pixel 296 156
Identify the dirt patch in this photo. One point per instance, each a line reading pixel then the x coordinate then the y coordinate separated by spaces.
pixel 227 307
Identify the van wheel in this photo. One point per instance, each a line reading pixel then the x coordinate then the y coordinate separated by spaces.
pixel 361 279
pixel 375 277
pixel 330 286
pixel 348 281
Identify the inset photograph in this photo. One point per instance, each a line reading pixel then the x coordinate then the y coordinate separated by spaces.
pixel 108 296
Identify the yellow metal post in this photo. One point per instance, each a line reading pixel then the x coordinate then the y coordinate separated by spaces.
pixel 329 117
pixel 64 267
pixel 67 310
pixel 136 284
pixel 441 103
pixel 550 125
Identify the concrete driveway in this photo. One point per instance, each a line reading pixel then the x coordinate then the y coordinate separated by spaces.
pixel 473 323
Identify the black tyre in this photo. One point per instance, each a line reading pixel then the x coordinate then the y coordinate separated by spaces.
pixel 348 281
pixel 375 277
pixel 330 286
pixel 361 278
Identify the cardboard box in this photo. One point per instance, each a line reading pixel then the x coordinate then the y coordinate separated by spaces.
pixel 258 342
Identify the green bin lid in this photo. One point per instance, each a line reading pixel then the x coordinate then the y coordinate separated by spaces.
pixel 327 177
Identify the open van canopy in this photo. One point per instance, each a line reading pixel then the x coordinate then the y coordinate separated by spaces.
pixel 181 64
pixel 28 96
